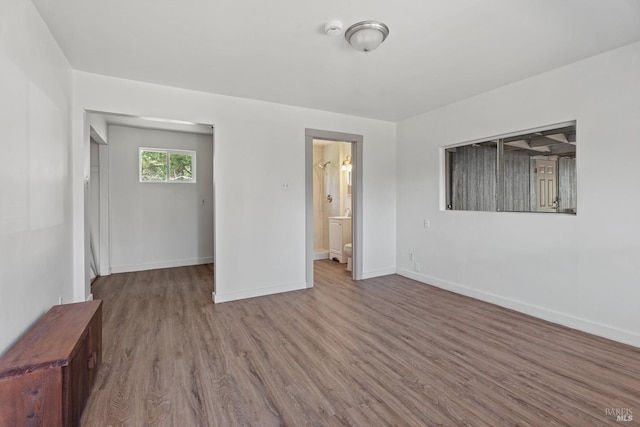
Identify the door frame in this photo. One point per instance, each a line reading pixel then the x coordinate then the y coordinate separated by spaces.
pixel 356 196
pixel 84 293
pixel 103 260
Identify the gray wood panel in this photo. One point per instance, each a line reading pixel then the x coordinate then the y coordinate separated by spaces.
pixel 567 184
pixel 516 181
pixel 474 178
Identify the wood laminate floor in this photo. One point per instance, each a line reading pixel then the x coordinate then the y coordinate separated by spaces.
pixel 383 351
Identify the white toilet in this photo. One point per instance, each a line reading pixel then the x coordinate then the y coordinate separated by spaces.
pixel 348 251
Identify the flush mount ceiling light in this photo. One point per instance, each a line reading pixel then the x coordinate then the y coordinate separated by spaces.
pixel 366 35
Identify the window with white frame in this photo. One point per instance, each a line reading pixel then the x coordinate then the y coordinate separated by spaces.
pixel 529 171
pixel 163 165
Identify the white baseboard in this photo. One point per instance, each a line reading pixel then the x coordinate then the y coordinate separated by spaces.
pixel 377 273
pixel 321 255
pixel 156 265
pixel 584 325
pixel 258 292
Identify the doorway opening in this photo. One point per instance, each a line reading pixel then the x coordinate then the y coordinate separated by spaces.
pixel 132 224
pixel 333 200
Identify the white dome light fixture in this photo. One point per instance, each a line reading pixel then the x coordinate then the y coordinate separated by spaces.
pixel 366 36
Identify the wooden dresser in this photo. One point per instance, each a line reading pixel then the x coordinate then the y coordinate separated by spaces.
pixel 46 377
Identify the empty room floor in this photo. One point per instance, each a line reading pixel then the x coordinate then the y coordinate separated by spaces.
pixel 382 351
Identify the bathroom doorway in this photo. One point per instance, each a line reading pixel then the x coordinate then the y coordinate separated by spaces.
pixel 332 201
pixel 333 181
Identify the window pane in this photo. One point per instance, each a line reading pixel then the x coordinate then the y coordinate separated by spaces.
pixel 153 166
pixel 517 180
pixel 472 170
pixel 567 191
pixel 181 167
pixel 533 171
pixel 540 171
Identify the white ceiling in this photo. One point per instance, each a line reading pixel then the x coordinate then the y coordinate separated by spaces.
pixel 438 51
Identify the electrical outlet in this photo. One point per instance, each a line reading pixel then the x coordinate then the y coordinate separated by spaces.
pixel 411 256
pixel 427 223
pixel 416 267
pixel 284 186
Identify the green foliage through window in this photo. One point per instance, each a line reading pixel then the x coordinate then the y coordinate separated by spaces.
pixel 180 167
pixel 167 165
pixel 153 166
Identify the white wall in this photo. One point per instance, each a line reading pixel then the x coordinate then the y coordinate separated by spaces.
pixel 159 225
pixel 260 230
pixel 35 214
pixel 582 270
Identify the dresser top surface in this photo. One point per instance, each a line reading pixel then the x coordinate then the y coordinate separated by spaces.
pixel 52 340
